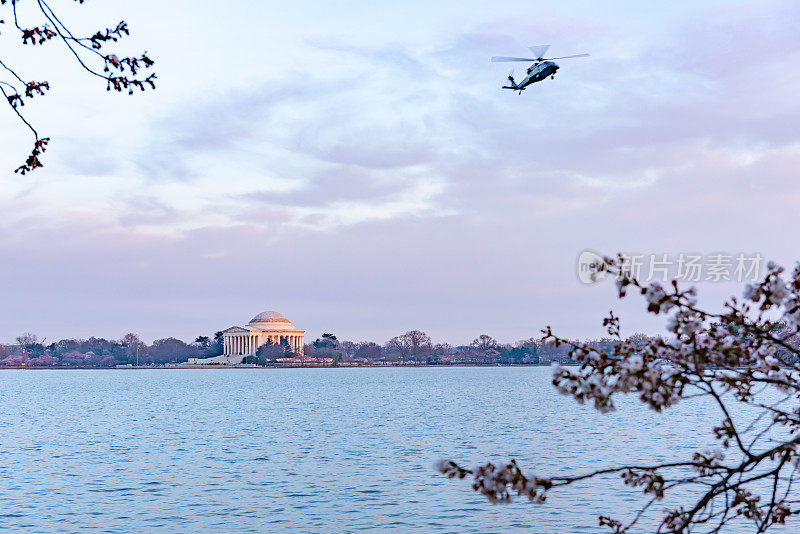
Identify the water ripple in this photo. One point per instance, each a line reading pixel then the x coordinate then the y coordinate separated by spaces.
pixel 320 450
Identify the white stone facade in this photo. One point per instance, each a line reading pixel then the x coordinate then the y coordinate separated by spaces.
pixel 264 327
pixel 241 341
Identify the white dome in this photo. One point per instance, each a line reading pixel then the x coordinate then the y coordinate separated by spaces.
pixel 269 317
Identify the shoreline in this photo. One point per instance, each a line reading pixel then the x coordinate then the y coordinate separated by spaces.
pixel 266 367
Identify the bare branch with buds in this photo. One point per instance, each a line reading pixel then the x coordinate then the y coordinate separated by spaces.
pixel 121 74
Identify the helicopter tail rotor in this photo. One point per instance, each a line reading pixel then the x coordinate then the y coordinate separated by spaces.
pixel 511 78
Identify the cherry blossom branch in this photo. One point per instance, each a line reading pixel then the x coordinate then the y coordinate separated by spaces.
pixel 114 69
pixel 726 357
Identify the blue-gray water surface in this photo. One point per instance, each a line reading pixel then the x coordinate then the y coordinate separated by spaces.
pixel 312 450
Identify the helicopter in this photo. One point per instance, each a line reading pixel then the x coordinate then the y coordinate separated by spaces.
pixel 542 67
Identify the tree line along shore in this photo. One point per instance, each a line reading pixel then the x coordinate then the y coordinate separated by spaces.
pixel 411 348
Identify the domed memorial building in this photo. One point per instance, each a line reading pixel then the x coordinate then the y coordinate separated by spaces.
pixel 241 341
pixel 266 326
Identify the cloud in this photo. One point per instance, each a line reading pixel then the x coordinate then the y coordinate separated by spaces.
pixel 98 161
pixel 395 131
pixel 395 56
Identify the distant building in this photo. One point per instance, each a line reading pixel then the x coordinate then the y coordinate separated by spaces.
pixel 242 341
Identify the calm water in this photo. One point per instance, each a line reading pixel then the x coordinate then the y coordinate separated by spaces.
pixel 309 450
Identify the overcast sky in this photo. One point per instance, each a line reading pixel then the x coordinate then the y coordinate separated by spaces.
pixel 356 166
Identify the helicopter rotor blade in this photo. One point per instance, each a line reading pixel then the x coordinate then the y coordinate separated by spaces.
pixel 496 59
pixel 539 51
pixel 566 57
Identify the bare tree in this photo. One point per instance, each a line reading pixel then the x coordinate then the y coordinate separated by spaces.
pixel 26 341
pixel 484 342
pixel 369 351
pixel 413 345
pixel 395 349
pixel 119 73
pixel 171 350
pixel 419 344
pixel 730 360
pixel 135 349
pixel 441 352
